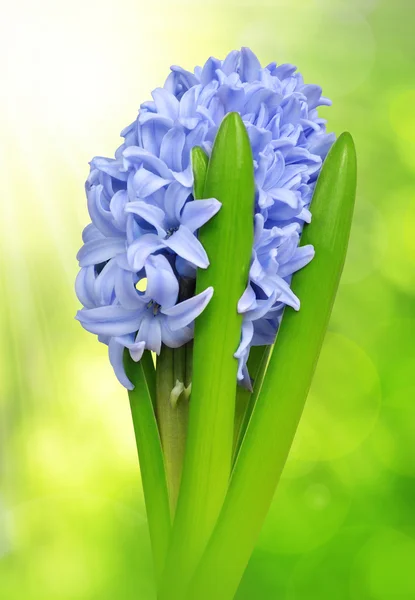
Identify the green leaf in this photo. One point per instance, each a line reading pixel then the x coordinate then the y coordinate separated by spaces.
pixel 246 400
pixel 278 409
pixel 150 456
pixel 228 240
pixel 200 163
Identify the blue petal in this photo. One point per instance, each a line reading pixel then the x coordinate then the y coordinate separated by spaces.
pixel 209 70
pixel 126 292
pixel 174 200
pixel 162 284
pixel 247 332
pixel 138 157
pixel 90 233
pixel 172 148
pixel 301 257
pixel 186 77
pixel 174 339
pixel 110 320
pixel 140 250
pixel 286 295
pixel 151 214
pixel 184 268
pixel 136 348
pixel 153 128
pixel 230 63
pixel 117 208
pixel 185 177
pixel 150 332
pixel 186 312
pixel 100 250
pixel 197 213
pixel 116 356
pixel 188 105
pixel 247 300
pixel 167 104
pixel 250 65
pixel 186 245
pixel 100 215
pixel 262 307
pixel 146 183
pixel 105 283
pixel 287 204
pixel 111 166
pixel 84 286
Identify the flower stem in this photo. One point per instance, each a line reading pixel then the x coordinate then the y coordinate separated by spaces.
pixel 172 409
pixel 277 412
pixel 150 456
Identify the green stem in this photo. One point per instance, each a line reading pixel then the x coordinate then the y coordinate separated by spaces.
pixel 172 415
pixel 276 415
pixel 150 456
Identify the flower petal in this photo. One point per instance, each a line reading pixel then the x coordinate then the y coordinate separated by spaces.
pixel 247 300
pixel 174 200
pixel 186 312
pixel 109 320
pixel 146 183
pixel 172 148
pixel 139 157
pixel 246 337
pixel 136 348
pixel 174 339
pixel 116 356
pixel 186 245
pixel 140 250
pixel 100 215
pixel 111 166
pixel 162 284
pixel 126 292
pixel 100 250
pixel 301 257
pixel 90 233
pixel 151 214
pixel 105 283
pixel 84 286
pixel 166 103
pixel 197 213
pixel 150 332
pixel 286 294
pixel 249 65
pixel 117 206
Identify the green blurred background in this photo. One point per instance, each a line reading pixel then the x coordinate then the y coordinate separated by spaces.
pixel 72 521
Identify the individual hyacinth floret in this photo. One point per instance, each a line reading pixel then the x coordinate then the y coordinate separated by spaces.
pixel 145 220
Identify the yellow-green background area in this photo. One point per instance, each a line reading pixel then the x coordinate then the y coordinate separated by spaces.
pixel 72 521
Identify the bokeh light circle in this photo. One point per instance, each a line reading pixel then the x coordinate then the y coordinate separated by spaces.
pixel 398 264
pixel 368 242
pixel 394 438
pixel 306 513
pixel 384 568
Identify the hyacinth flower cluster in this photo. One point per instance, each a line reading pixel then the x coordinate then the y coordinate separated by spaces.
pixel 144 220
pixel 192 271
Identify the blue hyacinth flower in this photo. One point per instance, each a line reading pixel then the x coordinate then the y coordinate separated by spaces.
pixel 141 201
pixel 144 320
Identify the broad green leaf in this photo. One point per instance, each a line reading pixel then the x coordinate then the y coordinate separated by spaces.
pixel 278 409
pixel 228 240
pixel 150 455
